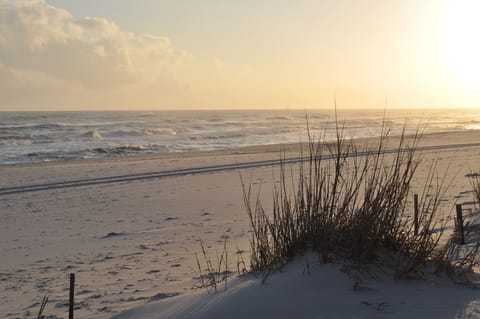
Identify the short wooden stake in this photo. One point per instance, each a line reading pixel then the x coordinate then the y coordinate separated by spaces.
pixel 460 234
pixel 71 300
pixel 415 213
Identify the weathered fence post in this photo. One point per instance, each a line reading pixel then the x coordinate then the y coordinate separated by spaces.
pixel 71 300
pixel 415 213
pixel 460 234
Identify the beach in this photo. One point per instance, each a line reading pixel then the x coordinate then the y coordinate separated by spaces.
pixel 239 159
pixel 131 233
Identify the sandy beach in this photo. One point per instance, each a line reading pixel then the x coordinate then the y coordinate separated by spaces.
pixel 152 150
pixel 132 241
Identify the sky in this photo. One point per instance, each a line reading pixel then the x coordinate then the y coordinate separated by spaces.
pixel 209 54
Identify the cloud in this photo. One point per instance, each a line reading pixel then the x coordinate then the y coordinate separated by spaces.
pixel 89 52
pixel 50 59
pixel 99 26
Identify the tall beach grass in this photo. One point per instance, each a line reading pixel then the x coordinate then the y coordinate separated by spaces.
pixel 350 203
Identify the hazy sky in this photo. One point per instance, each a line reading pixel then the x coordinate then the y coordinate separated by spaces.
pixel 125 54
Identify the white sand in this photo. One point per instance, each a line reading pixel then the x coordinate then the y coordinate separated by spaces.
pixel 130 241
pixel 324 292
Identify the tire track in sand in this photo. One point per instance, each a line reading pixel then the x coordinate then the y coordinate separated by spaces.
pixel 203 170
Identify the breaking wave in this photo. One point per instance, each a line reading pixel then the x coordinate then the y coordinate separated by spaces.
pixel 93 134
pixel 129 149
pixel 158 131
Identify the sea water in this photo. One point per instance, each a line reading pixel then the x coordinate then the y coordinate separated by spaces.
pixel 54 136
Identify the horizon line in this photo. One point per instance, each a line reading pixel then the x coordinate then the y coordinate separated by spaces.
pixel 350 108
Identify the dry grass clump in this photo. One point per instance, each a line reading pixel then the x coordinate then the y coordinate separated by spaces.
pixel 213 272
pixel 349 204
pixel 475 182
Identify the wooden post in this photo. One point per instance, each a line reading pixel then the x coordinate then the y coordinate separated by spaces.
pixel 415 213
pixel 71 300
pixel 460 234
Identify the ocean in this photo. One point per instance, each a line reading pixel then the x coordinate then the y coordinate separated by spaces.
pixel 27 137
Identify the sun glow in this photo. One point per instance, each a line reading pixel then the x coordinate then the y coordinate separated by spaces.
pixel 461 45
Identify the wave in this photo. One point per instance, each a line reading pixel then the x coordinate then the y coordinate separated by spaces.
pixel 238 124
pixel 217 137
pixel 146 132
pixel 67 126
pixel 33 154
pixel 123 133
pixel 279 118
pixel 135 148
pixel 215 120
pixel 127 149
pixel 318 116
pixel 146 114
pixel 46 126
pixel 469 127
pixel 15 141
pixel 93 134
pixel 24 139
pixel 293 129
pixel 169 131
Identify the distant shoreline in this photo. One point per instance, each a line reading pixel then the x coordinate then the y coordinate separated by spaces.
pixel 290 149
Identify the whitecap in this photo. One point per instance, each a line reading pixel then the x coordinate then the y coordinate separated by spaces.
pixel 146 114
pixel 93 134
pixel 169 131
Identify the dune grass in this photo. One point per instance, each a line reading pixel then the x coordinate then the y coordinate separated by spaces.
pixel 213 272
pixel 350 204
pixel 475 183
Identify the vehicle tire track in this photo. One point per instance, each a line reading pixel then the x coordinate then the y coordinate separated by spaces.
pixel 204 170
